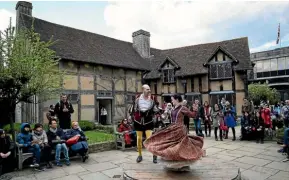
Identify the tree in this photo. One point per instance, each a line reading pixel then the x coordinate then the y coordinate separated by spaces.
pixel 29 67
pixel 262 92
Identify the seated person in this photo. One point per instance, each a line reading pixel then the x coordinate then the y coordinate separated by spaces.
pixel 6 157
pixel 246 127
pixel 24 138
pixel 56 140
pixel 40 137
pixel 129 134
pixel 81 147
pixel 285 146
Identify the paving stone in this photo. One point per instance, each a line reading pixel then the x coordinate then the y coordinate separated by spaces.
pixel 74 169
pixel 281 175
pixel 244 153
pixel 213 150
pixel 264 170
pixel 23 178
pixel 279 166
pixel 228 147
pixel 271 158
pixel 109 158
pixel 50 174
pixel 99 167
pixel 70 177
pixel 253 161
pixel 255 175
pixel 95 176
pixel 112 172
pixel 224 157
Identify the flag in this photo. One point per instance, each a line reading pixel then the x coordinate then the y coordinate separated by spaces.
pixel 278 35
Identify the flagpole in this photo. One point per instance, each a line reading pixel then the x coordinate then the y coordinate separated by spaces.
pixel 280 34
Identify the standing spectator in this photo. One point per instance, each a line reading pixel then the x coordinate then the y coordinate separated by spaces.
pixel 246 126
pixel 39 135
pixel 198 112
pixel 230 120
pixel 266 116
pixel 63 110
pixel 24 138
pixel 285 113
pixel 218 119
pixel 6 149
pixel 50 114
pixel 247 107
pixel 186 118
pixel 103 115
pixel 207 118
pixel 56 140
pixel 167 115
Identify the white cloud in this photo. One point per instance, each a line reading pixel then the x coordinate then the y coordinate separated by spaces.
pixel 5 19
pixel 271 44
pixel 174 24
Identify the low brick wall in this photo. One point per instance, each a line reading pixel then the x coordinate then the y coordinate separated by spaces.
pixel 102 146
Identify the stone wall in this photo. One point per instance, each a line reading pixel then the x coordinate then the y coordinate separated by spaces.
pixel 103 146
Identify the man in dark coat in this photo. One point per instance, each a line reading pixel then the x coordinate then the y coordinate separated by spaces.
pixel 63 110
pixel 6 157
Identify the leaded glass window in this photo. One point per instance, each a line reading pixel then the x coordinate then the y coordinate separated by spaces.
pixel 220 70
pixel 168 75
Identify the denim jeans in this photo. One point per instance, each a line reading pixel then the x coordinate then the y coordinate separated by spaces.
pixel 36 150
pixel 61 148
pixel 197 123
pixel 286 136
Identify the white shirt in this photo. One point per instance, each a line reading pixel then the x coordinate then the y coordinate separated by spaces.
pixel 144 104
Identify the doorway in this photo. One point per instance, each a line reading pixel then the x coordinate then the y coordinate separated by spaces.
pixel 107 104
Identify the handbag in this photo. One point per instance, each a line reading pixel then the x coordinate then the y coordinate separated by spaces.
pixel 72 140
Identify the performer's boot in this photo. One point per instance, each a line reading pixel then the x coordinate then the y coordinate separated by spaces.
pixel 139 159
pixel 155 159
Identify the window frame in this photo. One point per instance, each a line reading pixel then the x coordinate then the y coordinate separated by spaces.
pixel 169 79
pixel 221 67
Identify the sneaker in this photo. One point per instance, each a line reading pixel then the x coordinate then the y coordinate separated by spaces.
pixel 58 164
pixel 48 165
pixel 67 163
pixel 285 160
pixel 34 165
pixel 39 169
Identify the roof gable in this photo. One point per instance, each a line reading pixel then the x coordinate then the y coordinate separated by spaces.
pixel 170 61
pixel 222 50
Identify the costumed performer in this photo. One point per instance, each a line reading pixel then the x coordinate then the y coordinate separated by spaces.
pixel 143 110
pixel 173 143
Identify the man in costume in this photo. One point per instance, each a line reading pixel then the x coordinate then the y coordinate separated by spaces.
pixel 143 111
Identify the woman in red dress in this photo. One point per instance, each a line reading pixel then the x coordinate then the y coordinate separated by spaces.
pixel 266 115
pixel 173 143
pixel 125 128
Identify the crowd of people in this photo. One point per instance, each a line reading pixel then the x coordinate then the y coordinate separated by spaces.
pixel 256 121
pixel 63 136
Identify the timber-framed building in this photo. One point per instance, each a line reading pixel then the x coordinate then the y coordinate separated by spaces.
pixel 103 71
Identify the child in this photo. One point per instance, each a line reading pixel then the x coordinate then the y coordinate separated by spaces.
pixel 259 127
pixel 25 138
pixel 40 136
pixel 217 116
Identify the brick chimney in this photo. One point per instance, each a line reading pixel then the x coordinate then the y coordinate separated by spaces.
pixel 22 7
pixel 141 43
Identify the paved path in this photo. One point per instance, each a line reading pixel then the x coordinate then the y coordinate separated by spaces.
pixel 257 162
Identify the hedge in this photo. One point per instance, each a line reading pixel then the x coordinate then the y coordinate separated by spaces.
pixel 85 126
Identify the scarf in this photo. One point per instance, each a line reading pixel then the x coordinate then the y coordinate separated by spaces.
pixel 53 130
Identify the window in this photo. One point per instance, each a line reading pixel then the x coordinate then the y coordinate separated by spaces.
pixel 259 66
pixel 156 88
pixel 273 64
pixel 220 70
pixel 266 65
pixel 224 57
pixel 73 98
pixel 281 63
pixel 168 76
pixel 130 98
pixel 287 62
pixel 216 98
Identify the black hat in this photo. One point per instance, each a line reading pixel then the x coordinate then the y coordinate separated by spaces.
pixel 37 126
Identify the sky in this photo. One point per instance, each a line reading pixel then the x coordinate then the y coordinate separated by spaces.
pixel 171 23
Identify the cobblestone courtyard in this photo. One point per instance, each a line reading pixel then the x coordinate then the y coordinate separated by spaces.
pixel 256 161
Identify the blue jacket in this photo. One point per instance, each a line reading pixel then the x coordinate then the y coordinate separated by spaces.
pixel 24 137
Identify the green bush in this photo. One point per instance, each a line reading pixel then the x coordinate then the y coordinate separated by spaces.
pixel 18 125
pixel 86 125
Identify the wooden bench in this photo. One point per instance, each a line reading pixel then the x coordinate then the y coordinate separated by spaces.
pixel 119 140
